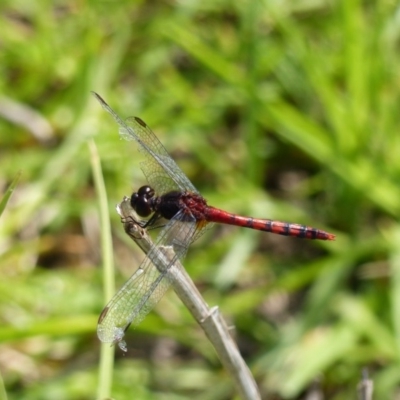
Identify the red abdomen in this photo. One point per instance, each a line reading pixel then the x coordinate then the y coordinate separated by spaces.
pixel 267 225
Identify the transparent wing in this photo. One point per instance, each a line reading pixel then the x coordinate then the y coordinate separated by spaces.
pixel 148 284
pixel 161 171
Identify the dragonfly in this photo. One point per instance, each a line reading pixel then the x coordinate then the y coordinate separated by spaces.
pixel 172 202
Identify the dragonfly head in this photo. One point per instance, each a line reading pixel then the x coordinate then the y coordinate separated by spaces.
pixel 141 201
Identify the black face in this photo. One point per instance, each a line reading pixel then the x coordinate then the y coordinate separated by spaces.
pixel 141 201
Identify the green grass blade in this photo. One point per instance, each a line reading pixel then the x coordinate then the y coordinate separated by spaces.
pixel 8 193
pixel 107 351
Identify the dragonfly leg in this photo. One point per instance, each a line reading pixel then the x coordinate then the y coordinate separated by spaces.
pixel 151 221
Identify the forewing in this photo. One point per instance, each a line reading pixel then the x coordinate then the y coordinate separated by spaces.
pixel 159 168
pixel 148 284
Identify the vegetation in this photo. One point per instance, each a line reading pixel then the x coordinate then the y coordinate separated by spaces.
pixel 284 110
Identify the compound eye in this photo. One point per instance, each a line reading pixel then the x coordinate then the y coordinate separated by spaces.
pixel 140 201
pixel 146 191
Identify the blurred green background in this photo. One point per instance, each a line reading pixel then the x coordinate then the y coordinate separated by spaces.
pixel 284 110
